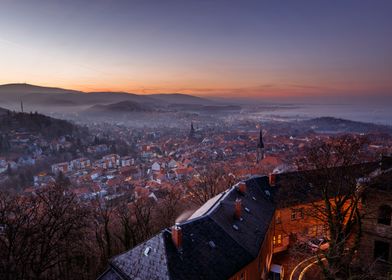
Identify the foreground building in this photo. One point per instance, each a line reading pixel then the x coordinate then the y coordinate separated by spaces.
pixel 229 237
pixel 235 234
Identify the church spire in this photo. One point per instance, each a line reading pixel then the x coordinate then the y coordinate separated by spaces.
pixel 260 144
pixel 260 147
pixel 192 132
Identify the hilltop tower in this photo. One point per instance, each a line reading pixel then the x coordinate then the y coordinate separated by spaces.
pixel 260 147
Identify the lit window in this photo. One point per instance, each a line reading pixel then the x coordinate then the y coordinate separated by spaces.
pixel 278 240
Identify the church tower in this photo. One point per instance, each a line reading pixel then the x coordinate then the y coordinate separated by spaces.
pixel 192 132
pixel 260 147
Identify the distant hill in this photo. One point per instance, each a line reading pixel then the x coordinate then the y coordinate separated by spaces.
pixel 37 95
pixel 3 111
pixel 205 108
pixel 179 98
pixel 119 108
pixel 24 89
pixel 330 124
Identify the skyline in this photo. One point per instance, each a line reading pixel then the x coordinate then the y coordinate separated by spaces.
pixel 206 48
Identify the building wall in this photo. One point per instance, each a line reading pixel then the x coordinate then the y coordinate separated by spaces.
pixel 299 223
pixel 296 223
pixel 259 268
pixel 375 231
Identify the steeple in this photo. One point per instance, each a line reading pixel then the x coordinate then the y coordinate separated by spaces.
pixel 260 147
pixel 260 144
pixel 192 132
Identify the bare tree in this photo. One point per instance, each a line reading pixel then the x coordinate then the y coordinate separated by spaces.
pixel 208 184
pixel 332 188
pixel 103 220
pixel 42 235
pixel 170 207
pixel 17 216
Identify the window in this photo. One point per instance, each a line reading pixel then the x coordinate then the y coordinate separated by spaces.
pixel 278 240
pixel 384 215
pixel 313 231
pixel 297 214
pixel 318 231
pixel 381 250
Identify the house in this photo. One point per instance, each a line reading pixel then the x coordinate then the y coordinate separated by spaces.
pixel 26 160
pixel 376 242
pixel 229 237
pixel 295 218
pixel 156 167
pixel 80 163
pixel 127 161
pixel 235 234
pixel 98 149
pixel 172 164
pixel 63 167
pixel 111 160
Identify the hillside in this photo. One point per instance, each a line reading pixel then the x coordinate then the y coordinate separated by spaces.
pixel 37 124
pixel 330 124
pixel 118 108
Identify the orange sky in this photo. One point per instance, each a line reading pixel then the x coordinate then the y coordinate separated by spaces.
pixel 207 48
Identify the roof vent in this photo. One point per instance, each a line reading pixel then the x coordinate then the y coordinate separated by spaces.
pixel 147 251
pixel 236 227
pixel 212 244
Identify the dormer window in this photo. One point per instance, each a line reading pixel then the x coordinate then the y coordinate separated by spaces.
pixel 384 215
pixel 297 214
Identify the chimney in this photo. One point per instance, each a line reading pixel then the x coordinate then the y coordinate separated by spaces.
pixel 242 187
pixel 272 179
pixel 237 208
pixel 177 236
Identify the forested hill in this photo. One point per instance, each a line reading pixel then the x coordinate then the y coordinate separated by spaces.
pixel 37 124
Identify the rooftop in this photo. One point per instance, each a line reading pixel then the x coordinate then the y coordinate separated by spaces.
pixel 215 244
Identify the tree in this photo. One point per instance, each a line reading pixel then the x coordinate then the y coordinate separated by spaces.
pixel 208 184
pixel 42 236
pixel 332 187
pixel 170 207
pixel 103 220
pixel 135 221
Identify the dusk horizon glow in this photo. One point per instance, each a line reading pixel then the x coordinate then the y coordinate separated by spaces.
pixel 230 49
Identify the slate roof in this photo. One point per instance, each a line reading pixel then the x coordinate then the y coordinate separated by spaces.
pixel 110 274
pixel 293 188
pixel 145 261
pixel 211 247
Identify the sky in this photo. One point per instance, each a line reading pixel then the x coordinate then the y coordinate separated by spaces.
pixel 227 48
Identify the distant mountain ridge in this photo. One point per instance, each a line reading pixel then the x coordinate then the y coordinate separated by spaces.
pixel 62 97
